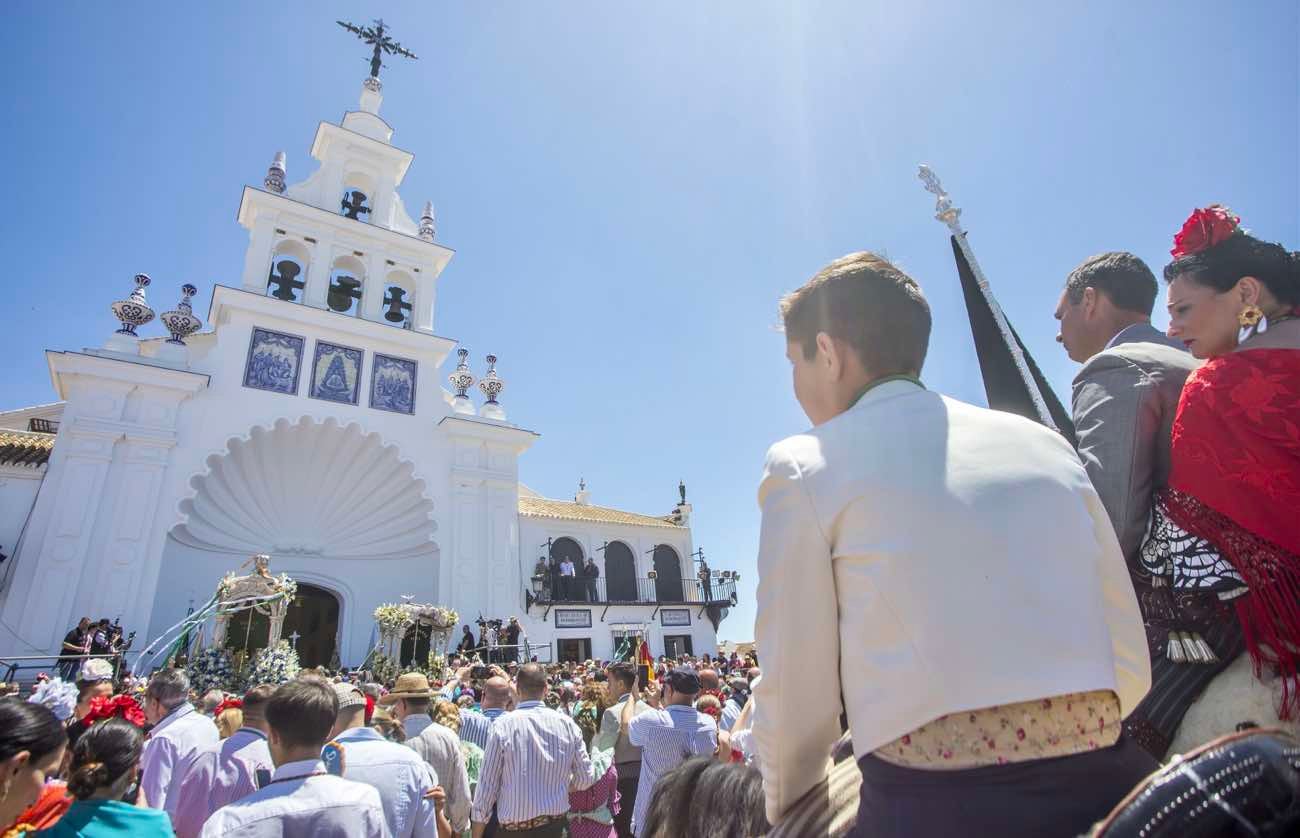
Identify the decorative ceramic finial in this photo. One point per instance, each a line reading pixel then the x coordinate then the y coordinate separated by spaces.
pixel 492 385
pixel 462 379
pixel 274 181
pixel 133 312
pixel 181 321
pixel 943 209
pixel 582 484
pixel 426 222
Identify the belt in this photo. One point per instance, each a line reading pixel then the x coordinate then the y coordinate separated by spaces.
pixel 534 823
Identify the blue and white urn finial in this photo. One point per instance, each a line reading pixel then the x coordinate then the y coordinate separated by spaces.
pixel 274 180
pixel 133 312
pixel 462 379
pixel 181 321
pixel 492 385
pixel 427 230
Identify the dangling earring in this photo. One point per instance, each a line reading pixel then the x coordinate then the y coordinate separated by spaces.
pixel 1252 322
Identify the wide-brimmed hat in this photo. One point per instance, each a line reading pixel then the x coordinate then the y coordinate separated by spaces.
pixel 410 685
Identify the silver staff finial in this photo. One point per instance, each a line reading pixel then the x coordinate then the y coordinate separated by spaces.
pixel 943 209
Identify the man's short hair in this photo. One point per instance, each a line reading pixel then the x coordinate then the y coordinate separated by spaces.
pixel 1124 278
pixel 302 712
pixel 169 687
pixel 624 672
pixel 255 699
pixel 864 301
pixel 531 679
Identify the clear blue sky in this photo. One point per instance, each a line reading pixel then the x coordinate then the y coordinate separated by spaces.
pixel 629 187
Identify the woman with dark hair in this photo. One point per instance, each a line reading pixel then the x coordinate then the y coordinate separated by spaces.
pixel 105 780
pixel 32 742
pixel 705 797
pixel 1223 548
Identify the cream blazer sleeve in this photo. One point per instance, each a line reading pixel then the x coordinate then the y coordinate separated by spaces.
pixel 797 701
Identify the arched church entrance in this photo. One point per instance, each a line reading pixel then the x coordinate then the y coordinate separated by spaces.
pixel 311 627
pixel 313 495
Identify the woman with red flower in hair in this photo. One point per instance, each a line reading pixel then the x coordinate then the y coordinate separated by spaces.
pixel 1223 548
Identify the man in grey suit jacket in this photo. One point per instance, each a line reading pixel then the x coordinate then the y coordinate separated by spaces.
pixel 1124 402
pixel 1126 395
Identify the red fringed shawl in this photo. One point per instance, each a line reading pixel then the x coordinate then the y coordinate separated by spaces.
pixel 1235 481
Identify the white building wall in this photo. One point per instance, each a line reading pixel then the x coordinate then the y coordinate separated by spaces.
pixel 591 536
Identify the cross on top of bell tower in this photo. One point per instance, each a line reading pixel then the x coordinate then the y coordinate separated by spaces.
pixel 377 36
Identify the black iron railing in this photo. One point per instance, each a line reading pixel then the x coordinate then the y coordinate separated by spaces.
pixel 613 591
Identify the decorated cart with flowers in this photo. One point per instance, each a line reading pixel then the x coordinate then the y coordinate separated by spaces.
pixel 213 666
pixel 394 620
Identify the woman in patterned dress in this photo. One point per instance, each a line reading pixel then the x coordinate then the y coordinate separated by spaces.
pixel 591 812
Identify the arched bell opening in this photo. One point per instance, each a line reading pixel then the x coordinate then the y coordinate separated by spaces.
pixel 398 305
pixel 347 281
pixel 287 277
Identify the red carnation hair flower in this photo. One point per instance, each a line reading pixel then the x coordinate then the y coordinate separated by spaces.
pixel 118 706
pixel 1204 229
pixel 231 703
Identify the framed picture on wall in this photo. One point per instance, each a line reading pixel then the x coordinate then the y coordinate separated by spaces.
pixel 392 384
pixel 674 616
pixel 335 373
pixel 572 618
pixel 274 361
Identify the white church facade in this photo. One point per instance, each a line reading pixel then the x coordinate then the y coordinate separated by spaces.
pixel 306 419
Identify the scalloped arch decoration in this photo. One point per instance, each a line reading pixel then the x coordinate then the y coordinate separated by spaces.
pixel 310 489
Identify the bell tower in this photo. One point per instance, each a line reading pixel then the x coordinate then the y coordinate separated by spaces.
pixel 342 239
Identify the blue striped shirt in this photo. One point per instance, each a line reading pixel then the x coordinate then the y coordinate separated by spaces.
pixel 667 738
pixel 533 757
pixel 474 725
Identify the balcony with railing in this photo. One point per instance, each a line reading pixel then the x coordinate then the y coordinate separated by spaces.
pixel 548 590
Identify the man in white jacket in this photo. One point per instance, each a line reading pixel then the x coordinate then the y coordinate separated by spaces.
pixel 949 578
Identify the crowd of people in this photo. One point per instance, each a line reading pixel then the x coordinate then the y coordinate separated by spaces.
pixel 88 638
pixel 499 641
pixel 527 749
pixel 968 624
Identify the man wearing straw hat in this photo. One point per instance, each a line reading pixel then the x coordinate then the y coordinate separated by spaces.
pixel 410 700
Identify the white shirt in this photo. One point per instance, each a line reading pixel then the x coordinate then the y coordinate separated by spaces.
pixel 533 757
pixel 923 556
pixel 218 775
pixel 168 750
pixel 302 801
pixel 398 774
pixel 566 568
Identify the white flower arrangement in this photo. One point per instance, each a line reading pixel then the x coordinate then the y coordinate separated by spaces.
pixel 59 696
pixel 274 665
pixel 211 669
pixel 392 619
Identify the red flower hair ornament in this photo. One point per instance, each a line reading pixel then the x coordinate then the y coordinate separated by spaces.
pixel 231 703
pixel 119 707
pixel 1204 229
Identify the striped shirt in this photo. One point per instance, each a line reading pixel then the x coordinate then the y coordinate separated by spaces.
pixel 474 725
pixel 667 738
pixel 533 757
